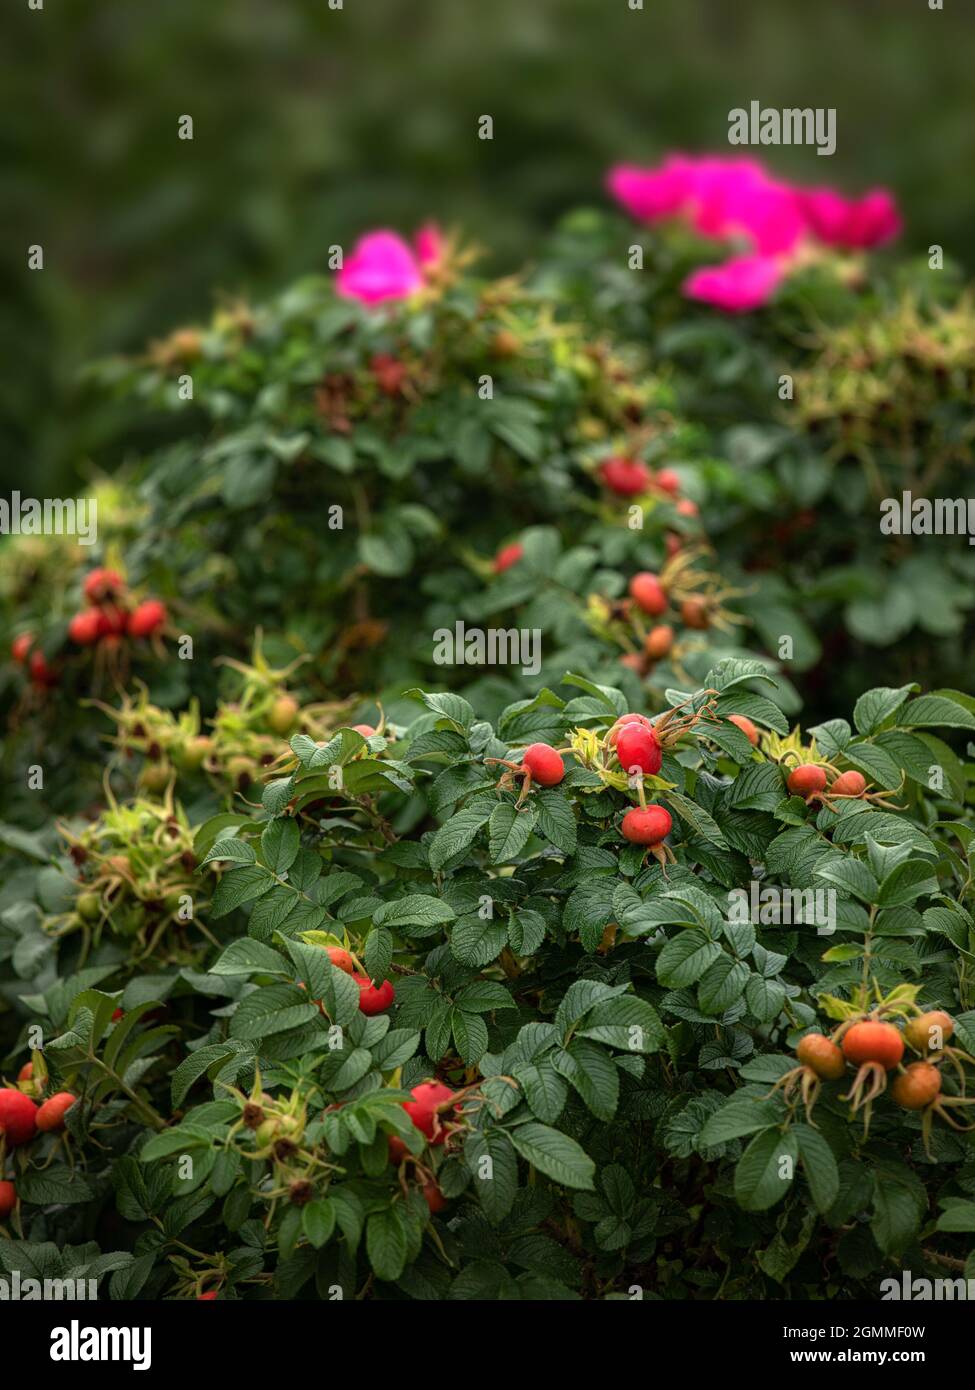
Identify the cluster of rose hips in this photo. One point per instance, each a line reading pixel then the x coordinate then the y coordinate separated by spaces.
pixel 22 1119
pixel 42 674
pixel 373 999
pixel 876 1048
pixel 625 477
pixel 811 782
pixel 638 745
pixel 109 616
pixel 436 1113
pixel 630 477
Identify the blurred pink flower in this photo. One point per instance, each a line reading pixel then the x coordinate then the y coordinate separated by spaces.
pixel 737 197
pixel 725 197
pixel 381 266
pixel 858 223
pixel 430 244
pixel 738 285
pixel 651 193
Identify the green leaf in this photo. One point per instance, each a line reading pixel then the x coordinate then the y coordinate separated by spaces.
pixel 491 1160
pixel 470 1036
pixel 696 817
pixel 589 1069
pixel 245 956
pixel 555 1154
pixel 280 842
pixel 740 1115
pixel 318 1221
pixel 526 931
pixel 684 960
pixel 53 1186
pixel 386 1243
pixel 509 831
pixel 556 819
pixel 722 983
pixel 453 708
pixel 819 1165
pixel 476 941
pixel 766 1169
pixel 239 886
pixel 875 706
pixel 414 910
pixel 959 1217
pixel 457 833
pixel 273 1009
pixel 625 1022
pixel 239 851
pixel 377 953
pixel 938 710
pixel 907 882
pixel 850 874
pixel 197 1064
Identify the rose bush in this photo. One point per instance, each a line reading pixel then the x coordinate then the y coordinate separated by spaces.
pixel 838 386
pixel 278 1135
pixel 352 943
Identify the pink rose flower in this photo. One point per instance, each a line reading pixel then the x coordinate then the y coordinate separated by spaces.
pixel 737 198
pixel 430 244
pixel 738 285
pixel 649 194
pixel 858 223
pixel 381 266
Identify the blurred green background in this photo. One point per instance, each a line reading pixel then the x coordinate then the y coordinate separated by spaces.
pixel 313 123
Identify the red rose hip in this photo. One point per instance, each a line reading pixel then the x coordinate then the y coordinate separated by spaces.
pixel 18 1116
pixel 373 999
pixel 149 617
pixel 50 1116
pixel 646 825
pixel 806 779
pixel 649 594
pixel 507 556
pixel 626 477
pixel 637 747
pixel 544 764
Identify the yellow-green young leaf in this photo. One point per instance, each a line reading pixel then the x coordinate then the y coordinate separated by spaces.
pixel 849 950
